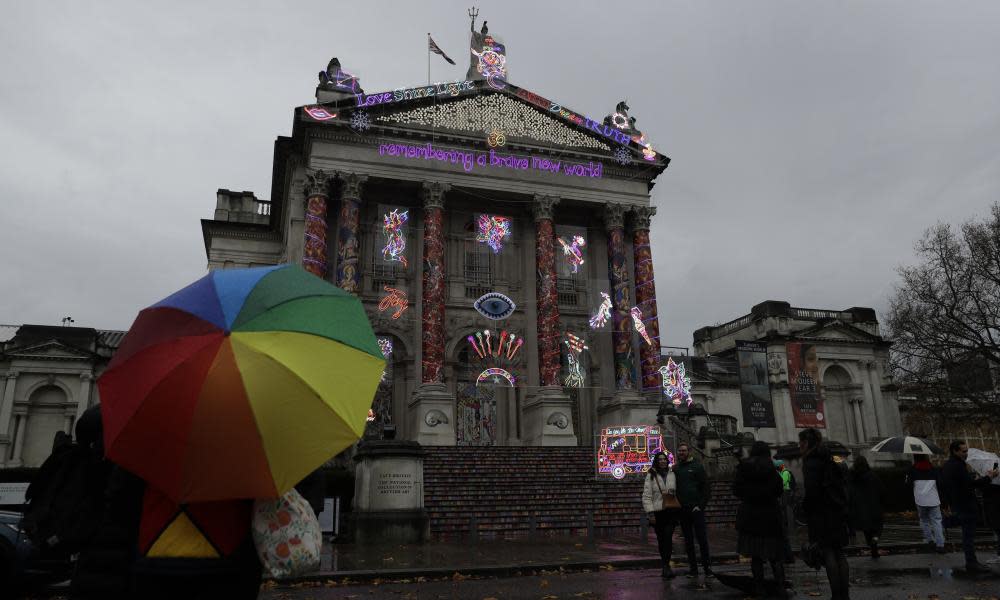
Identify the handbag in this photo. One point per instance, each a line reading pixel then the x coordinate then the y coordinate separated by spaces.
pixel 287 536
pixel 669 501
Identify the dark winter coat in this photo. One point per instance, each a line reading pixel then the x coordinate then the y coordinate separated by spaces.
pixel 692 484
pixel 991 505
pixel 759 487
pixel 959 486
pixel 865 508
pixel 825 500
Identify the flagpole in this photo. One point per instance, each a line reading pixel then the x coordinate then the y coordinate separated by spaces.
pixel 428 58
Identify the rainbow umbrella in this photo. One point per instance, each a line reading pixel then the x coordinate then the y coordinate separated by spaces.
pixel 240 384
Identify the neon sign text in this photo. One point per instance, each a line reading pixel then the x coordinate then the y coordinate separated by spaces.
pixel 438 89
pixel 469 160
pixel 394 299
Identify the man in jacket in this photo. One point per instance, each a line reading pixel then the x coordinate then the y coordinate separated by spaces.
pixel 693 493
pixel 960 498
pixel 925 479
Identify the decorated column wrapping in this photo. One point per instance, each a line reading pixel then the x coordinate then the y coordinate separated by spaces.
pixel 545 291
pixel 645 297
pixel 434 295
pixel 621 296
pixel 348 273
pixel 314 250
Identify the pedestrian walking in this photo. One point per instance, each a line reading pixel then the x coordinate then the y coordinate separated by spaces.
pixel 759 518
pixel 960 499
pixel 789 488
pixel 825 506
pixel 925 479
pixel 659 500
pixel 865 493
pixel 693 492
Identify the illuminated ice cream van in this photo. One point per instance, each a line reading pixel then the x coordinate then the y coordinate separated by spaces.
pixel 627 449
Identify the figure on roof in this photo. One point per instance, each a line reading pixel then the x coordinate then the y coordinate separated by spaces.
pixel 621 120
pixel 335 78
pixel 488 57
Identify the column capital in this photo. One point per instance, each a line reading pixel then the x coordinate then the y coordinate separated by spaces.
pixel 317 184
pixel 641 216
pixel 614 216
pixel 433 194
pixel 351 184
pixel 12 374
pixel 86 376
pixel 544 207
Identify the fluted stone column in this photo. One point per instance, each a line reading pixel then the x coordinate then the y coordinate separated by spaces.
pixel 20 429
pixel 546 294
pixel 85 387
pixel 6 410
pixel 432 408
pixel 645 297
pixel 314 257
pixel 621 296
pixel 348 271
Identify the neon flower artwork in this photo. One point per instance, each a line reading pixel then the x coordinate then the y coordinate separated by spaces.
pixel 573 251
pixel 319 113
pixel 395 244
pixel 384 344
pixel 676 383
pixel 603 313
pixel 497 374
pixel 640 327
pixel 394 299
pixel 493 231
pixel 575 346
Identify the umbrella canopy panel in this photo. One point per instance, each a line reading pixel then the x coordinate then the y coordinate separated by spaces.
pixel 907 444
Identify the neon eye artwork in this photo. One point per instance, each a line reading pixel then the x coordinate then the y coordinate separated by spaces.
pixel 494 305
pixel 319 113
pixel 640 327
pixel 493 231
pixel 573 251
pixel 395 243
pixel 497 374
pixel 575 346
pixel 603 313
pixel 394 299
pixel 676 383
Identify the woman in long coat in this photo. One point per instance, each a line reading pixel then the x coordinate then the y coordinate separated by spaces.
pixel 660 481
pixel 825 506
pixel 759 519
pixel 865 506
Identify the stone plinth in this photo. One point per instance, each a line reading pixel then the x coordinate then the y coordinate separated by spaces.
pixel 389 493
pixel 432 415
pixel 548 419
pixel 627 407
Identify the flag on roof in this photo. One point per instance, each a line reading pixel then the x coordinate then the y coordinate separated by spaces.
pixel 433 47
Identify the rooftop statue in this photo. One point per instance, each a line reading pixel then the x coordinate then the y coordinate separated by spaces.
pixel 621 120
pixel 487 56
pixel 336 79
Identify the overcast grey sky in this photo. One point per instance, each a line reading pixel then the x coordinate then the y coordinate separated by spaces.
pixel 812 142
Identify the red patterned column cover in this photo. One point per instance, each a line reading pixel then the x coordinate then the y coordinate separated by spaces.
pixel 645 298
pixel 432 366
pixel 546 293
pixel 348 273
pixel 621 296
pixel 314 250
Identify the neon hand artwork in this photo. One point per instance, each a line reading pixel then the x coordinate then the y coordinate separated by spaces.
pixel 493 231
pixel 640 327
pixel 575 347
pixel 676 383
pixel 395 244
pixel 603 313
pixel 494 305
pixel 394 299
pixel 573 251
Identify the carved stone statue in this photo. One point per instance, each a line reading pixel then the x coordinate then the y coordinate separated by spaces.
pixel 621 120
pixel 335 78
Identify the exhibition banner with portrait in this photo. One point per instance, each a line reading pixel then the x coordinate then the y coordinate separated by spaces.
pixel 803 385
pixel 755 393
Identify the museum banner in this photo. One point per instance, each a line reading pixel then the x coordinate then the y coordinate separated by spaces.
pixel 803 385
pixel 755 393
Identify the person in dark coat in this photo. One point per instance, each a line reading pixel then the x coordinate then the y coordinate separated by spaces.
pixel 991 506
pixel 759 517
pixel 960 484
pixel 825 506
pixel 865 492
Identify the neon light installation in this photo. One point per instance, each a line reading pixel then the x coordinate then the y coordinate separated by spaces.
pixel 319 113
pixel 485 346
pixel 360 121
pixel 575 346
pixel 470 160
pixel 395 243
pixel 676 383
pixel 623 156
pixel 573 251
pixel 496 138
pixel 385 345
pixel 438 89
pixel 497 374
pixel 628 449
pixel 603 313
pixel 640 327
pixel 493 231
pixel 394 299
pixel 494 305
pixel 620 121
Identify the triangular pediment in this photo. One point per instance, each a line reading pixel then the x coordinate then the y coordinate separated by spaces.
pixel 51 350
pixel 837 330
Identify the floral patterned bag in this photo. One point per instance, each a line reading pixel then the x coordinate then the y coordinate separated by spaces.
pixel 287 536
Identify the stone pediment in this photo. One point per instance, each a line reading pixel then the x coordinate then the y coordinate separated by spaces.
pixel 837 330
pixel 51 350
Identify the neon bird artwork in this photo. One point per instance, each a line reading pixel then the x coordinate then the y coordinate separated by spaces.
pixel 676 383
pixel 573 251
pixel 640 327
pixel 394 299
pixel 603 313
pixel 395 244
pixel 493 231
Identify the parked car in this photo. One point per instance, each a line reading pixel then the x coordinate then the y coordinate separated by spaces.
pixel 21 567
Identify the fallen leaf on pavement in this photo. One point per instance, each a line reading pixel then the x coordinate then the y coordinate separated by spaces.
pixel 607 568
pixel 550 597
pixel 458 577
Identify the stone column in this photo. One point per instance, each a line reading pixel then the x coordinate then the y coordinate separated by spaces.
pixel 545 291
pixel 873 384
pixel 6 409
pixel 432 408
pixel 859 421
pixel 645 298
pixel 621 296
pixel 314 257
pixel 348 271
pixel 20 428
pixel 84 403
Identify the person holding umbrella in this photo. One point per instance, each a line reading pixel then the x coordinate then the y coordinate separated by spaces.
pixel 960 499
pixel 982 462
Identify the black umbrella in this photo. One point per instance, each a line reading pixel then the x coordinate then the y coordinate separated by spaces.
pixel 906 444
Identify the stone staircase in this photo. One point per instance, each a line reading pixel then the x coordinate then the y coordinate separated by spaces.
pixel 505 492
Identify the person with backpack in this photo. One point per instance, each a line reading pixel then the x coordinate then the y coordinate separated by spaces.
pixel 925 480
pixel 960 484
pixel 789 487
pixel 865 494
pixel 825 506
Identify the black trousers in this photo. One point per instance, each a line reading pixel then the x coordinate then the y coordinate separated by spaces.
pixel 693 526
pixel 664 524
